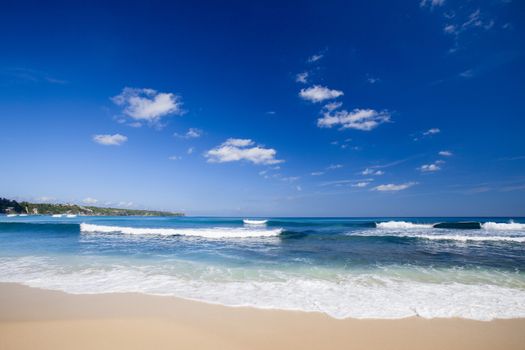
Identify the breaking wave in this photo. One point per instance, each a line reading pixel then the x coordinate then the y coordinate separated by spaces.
pixel 401 225
pixel 467 238
pixel 254 222
pixel 215 232
pixel 450 231
pixel 496 226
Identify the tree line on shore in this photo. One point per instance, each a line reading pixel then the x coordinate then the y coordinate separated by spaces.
pixel 8 206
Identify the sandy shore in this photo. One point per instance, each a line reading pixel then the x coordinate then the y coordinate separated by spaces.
pixel 40 319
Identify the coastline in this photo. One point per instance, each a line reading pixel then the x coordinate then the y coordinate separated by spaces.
pixel 57 320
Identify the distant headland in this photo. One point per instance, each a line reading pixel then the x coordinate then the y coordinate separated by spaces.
pixel 8 206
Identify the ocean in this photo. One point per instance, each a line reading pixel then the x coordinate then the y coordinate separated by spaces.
pixel 344 267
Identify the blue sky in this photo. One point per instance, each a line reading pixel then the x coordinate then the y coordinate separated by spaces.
pixel 334 108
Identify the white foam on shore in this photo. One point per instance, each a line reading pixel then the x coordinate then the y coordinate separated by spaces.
pixel 401 225
pixel 357 295
pixel 215 232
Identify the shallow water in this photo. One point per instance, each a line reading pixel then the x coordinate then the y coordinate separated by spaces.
pixel 344 267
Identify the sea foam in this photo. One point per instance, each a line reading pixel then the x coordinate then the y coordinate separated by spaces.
pixel 367 295
pixel 490 232
pixel 254 222
pixel 466 238
pixel 215 232
pixel 496 226
pixel 401 225
pixel 437 236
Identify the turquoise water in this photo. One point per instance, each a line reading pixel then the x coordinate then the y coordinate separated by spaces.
pixel 344 267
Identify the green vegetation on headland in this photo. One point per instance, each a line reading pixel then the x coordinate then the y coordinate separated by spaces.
pixel 13 207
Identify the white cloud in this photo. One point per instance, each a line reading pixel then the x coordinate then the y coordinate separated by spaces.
pixel 450 29
pixel 432 131
pixel 445 153
pixel 344 144
pixel 192 133
pixel 332 106
pixel 431 3
pixel 318 93
pixel 462 17
pixel 317 173
pixel 110 140
pixel 340 183
pixel 290 178
pixel 449 14
pixel 360 119
pixel 334 166
pixel 125 204
pixel 489 24
pixel 238 142
pixel 473 20
pixel 174 157
pixel 90 200
pixel 233 150
pixel 25 75
pixel 369 171
pixel 372 80
pixel 394 187
pixel 467 74
pixel 148 104
pixel 361 184
pixel 337 183
pixel 298 188
pixel 190 150
pixel 315 58
pixel 428 168
pixel 302 77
